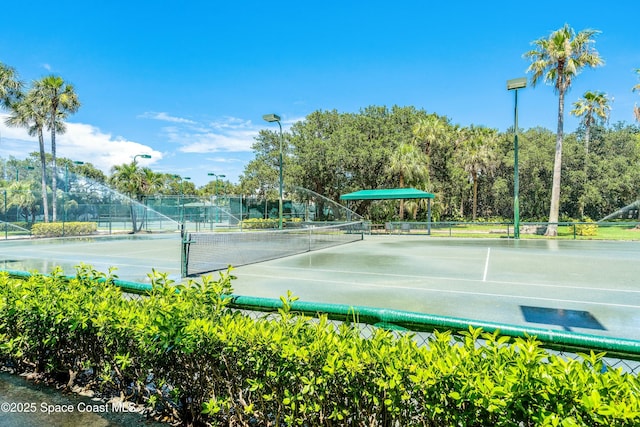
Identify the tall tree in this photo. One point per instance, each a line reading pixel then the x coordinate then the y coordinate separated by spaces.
pixel 636 109
pixel 478 156
pixel 59 99
pixel 556 60
pixel 262 171
pixel 10 86
pixel 29 113
pixel 594 108
pixel 130 180
pixel 409 163
pixel 152 182
pixel 429 130
pixel 19 194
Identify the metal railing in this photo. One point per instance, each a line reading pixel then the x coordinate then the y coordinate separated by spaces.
pixel 620 352
pixel 616 230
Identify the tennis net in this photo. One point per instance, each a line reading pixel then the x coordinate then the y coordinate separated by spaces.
pixel 207 252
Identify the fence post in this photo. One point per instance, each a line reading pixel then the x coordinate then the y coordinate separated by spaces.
pixel 6 224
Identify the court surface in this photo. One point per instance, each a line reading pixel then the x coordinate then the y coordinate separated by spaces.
pixel 133 255
pixel 582 286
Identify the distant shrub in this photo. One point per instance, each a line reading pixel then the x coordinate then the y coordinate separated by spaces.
pixel 261 223
pixel 590 229
pixel 60 229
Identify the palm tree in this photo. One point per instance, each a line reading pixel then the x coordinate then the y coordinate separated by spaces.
pixel 556 60
pixel 410 164
pixel 128 179
pixel 636 110
pixel 152 182
pixel 428 131
pixel 10 86
pixel 593 107
pixel 29 113
pixel 478 156
pixel 59 99
pixel 21 196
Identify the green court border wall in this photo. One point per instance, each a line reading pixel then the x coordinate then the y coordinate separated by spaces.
pixel 564 341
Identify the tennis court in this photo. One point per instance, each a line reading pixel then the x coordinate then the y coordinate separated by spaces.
pixel 133 255
pixel 582 286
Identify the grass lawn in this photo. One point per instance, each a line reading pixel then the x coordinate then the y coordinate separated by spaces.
pixel 609 231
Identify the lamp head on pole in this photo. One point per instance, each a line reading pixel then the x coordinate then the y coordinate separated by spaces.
pixel 271 118
pixel 519 83
pixel 144 156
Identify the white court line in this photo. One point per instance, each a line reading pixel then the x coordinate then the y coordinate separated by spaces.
pixel 373 285
pixel 486 265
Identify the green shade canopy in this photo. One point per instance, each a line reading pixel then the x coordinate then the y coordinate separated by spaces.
pixel 388 193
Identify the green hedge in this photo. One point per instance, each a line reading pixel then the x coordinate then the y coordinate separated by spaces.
pixel 60 229
pixel 188 355
pixel 588 228
pixel 261 223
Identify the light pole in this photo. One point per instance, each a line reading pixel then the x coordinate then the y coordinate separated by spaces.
pixel 276 118
pixel 67 186
pixel 215 193
pixel 515 84
pixel 66 172
pixel 144 156
pixel 182 179
pixel 179 204
pixel 18 171
pixel 6 222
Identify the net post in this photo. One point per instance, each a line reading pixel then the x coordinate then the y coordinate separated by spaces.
pixel 184 255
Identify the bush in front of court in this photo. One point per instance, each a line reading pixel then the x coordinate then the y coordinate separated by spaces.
pixel 262 223
pixel 587 228
pixel 258 223
pixel 60 229
pixel 189 355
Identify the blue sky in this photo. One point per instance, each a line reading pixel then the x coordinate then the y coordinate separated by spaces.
pixel 189 81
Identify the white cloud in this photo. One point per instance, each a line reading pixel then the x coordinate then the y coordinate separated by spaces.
pixel 231 123
pixel 229 134
pixel 224 160
pixel 165 117
pixel 80 142
pixel 183 146
pixel 214 142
